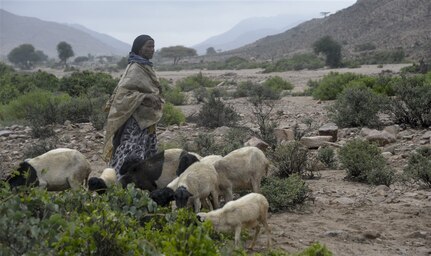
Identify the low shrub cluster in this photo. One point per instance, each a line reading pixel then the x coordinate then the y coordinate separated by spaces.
pixel 196 81
pixel 363 162
pixel 215 113
pixel 290 158
pixel 326 155
pixel 419 166
pixel 172 115
pixel 296 62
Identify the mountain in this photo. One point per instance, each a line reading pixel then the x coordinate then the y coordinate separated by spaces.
pixel 45 35
pixel 384 24
pixel 248 31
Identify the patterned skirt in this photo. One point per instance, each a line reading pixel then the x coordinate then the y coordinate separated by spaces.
pixel 129 140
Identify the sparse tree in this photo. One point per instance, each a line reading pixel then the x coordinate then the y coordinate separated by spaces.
pixel 324 14
pixel 64 51
pixel 211 51
pixel 331 49
pixel 177 52
pixel 24 56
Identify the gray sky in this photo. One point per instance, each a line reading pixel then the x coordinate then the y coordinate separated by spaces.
pixel 169 22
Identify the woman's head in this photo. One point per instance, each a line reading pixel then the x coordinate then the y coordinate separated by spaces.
pixel 143 46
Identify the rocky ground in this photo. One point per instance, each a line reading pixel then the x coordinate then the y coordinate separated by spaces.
pixel 349 218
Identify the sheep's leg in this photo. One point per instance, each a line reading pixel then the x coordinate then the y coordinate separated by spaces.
pixel 255 185
pixel 215 201
pixel 255 237
pixel 43 183
pixel 197 205
pixel 268 233
pixel 75 185
pixel 237 235
pixel 228 194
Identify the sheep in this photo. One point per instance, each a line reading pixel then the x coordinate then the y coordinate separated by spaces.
pixel 196 184
pixel 165 195
pixel 154 172
pixel 99 184
pixel 55 170
pixel 242 168
pixel 246 212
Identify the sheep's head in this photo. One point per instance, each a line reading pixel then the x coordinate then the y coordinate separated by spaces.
pixel 163 196
pixel 97 184
pixel 182 196
pixel 25 175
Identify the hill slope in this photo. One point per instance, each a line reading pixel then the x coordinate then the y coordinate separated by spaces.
pixel 387 24
pixel 44 35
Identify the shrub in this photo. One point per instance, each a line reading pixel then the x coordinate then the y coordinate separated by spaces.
pixel 175 96
pixel 87 82
pixel 172 115
pixel 290 158
pixel 332 84
pixel 383 176
pixel 195 81
pixel 215 113
pixel 278 84
pixel 331 49
pixel 285 193
pixel 356 107
pixel 296 62
pixel 326 155
pixel 360 158
pixel 419 166
pixel 412 102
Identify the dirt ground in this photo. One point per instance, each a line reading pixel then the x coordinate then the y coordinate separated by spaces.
pixel 349 218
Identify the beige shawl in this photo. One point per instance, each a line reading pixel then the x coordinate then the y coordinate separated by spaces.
pixel 129 99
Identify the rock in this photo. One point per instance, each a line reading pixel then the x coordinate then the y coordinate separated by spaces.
pixel 329 129
pixel 418 234
pixel 343 201
pixel 370 234
pixel 382 138
pixel 256 142
pixel 315 142
pixel 334 233
pixel 5 133
pixel 283 134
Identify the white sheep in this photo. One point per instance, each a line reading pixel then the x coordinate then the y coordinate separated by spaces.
pixel 107 179
pixel 55 170
pixel 248 211
pixel 242 168
pixel 165 195
pixel 196 184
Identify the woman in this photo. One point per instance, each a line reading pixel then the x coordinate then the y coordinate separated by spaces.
pixel 134 108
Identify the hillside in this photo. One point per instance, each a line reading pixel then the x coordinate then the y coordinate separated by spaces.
pixel 44 35
pixel 386 24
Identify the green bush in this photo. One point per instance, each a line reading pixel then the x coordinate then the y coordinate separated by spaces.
pixel 290 158
pixel 326 155
pixel 360 158
pixel 285 193
pixel 357 107
pixel 412 102
pixel 195 81
pixel 332 84
pixel 258 91
pixel 172 115
pixel 316 249
pixel 419 166
pixel 278 84
pixel 296 62
pixel 87 82
pixel 175 96
pixel 384 176
pixel 215 113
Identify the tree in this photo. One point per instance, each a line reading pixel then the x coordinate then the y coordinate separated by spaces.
pixel 211 51
pixel 331 49
pixel 64 51
pixel 177 52
pixel 24 56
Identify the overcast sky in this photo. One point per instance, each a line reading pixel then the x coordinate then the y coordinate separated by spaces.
pixel 169 22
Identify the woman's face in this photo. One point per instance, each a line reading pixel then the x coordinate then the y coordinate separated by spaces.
pixel 147 50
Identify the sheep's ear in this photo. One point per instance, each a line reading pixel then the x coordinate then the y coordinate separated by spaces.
pixel 186 159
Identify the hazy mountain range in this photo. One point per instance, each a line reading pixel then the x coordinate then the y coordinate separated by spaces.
pixel 383 24
pixel 248 31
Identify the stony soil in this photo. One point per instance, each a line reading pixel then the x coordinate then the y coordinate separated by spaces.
pixel 349 218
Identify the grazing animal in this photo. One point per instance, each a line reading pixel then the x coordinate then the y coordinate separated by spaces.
pixel 99 184
pixel 242 168
pixel 248 211
pixel 165 195
pixel 154 172
pixel 196 184
pixel 55 170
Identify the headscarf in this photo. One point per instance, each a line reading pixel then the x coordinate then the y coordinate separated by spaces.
pixel 137 45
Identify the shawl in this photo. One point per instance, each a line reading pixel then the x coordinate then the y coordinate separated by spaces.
pixel 129 99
